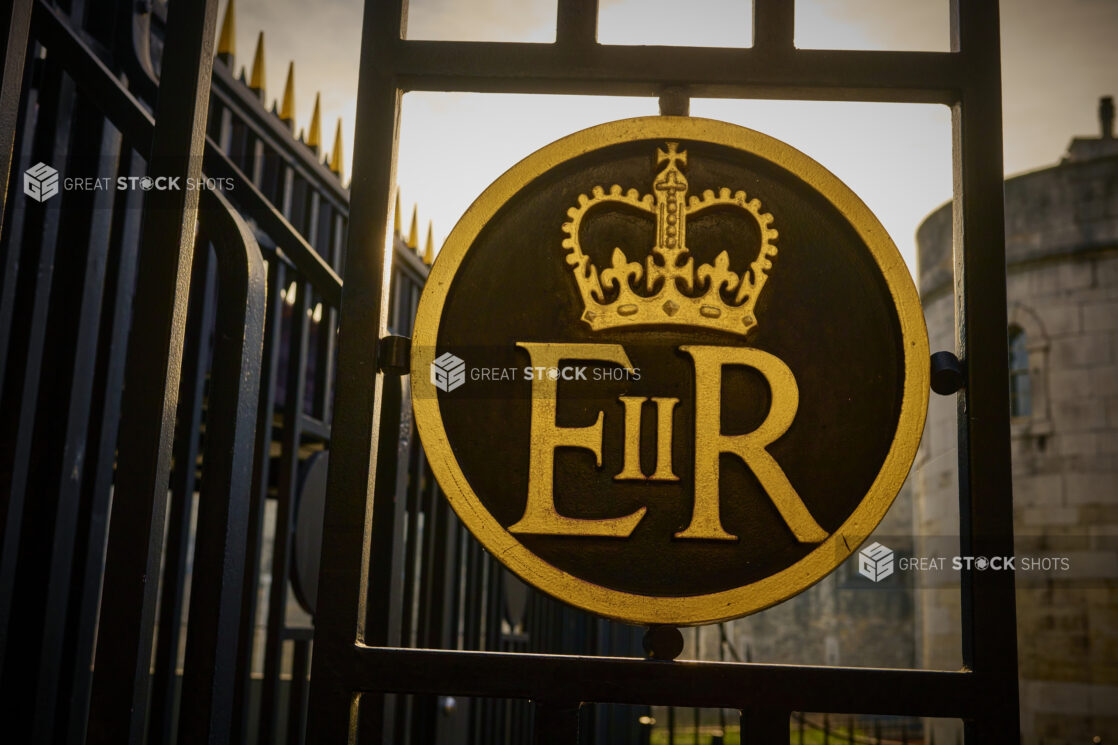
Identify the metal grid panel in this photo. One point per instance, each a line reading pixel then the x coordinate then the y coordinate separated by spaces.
pixel 352 636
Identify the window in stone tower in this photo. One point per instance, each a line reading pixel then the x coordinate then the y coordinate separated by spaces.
pixel 1020 388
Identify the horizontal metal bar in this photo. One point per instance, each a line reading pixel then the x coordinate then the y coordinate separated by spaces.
pixel 313 428
pixel 626 680
pixel 95 80
pixel 710 72
pixel 295 247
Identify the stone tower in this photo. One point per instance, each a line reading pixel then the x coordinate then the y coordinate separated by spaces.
pixel 1062 264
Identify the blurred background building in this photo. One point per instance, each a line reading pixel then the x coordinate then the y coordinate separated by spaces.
pixel 1062 262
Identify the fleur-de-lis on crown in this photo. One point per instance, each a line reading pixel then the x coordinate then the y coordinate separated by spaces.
pixel 674 291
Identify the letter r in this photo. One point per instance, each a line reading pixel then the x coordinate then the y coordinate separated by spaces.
pixel 710 443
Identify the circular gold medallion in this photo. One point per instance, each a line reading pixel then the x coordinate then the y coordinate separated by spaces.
pixel 670 370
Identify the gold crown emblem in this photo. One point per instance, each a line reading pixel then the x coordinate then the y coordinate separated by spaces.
pixel 674 291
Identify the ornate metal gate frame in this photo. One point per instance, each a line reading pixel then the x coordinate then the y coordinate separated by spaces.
pixel 353 667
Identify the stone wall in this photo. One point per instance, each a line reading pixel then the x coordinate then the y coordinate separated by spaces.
pixel 1062 249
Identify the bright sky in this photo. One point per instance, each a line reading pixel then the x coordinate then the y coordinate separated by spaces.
pixel 1058 58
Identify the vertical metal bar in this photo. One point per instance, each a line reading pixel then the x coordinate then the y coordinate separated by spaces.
pixel 215 122
pixel 697 712
pixel 985 475
pixel 260 478
pixel 271 172
pixel 292 435
pixel 326 330
pixel 300 205
pixel 297 699
pixel 342 620
pixel 412 543
pixel 206 710
pixel 545 618
pixel 395 296
pixel 38 236
pixel 53 476
pixel 276 181
pixel 765 728
pixel 774 25
pixel 15 25
pixel 101 447
pixel 256 174
pixel 120 691
pixel 445 568
pixel 473 587
pixel 722 658
pixel 176 553
pixel 430 611
pixel 576 23
pixel 337 233
pixel 556 723
pixel 295 340
pixel 411 540
pixel 385 585
pixel 12 224
pixel 312 225
pixel 495 604
pixel 242 147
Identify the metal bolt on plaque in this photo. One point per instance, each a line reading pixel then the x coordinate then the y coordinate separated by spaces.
pixel 695 370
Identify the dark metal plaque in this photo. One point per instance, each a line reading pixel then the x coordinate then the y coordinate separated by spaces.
pixel 307 544
pixel 670 370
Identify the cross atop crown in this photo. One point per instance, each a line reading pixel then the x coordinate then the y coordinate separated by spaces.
pixel 670 187
pixel 672 155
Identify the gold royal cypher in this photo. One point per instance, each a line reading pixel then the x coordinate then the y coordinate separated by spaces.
pixel 668 290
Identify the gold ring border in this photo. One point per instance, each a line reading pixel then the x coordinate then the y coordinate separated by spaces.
pixel 694 609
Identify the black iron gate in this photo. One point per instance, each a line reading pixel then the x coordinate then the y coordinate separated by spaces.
pixel 81 87
pixel 358 658
pixel 182 381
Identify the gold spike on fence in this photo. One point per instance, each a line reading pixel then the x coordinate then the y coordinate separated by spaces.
pixel 336 154
pixel 429 252
pixel 227 43
pixel 314 135
pixel 287 108
pixel 413 234
pixel 258 79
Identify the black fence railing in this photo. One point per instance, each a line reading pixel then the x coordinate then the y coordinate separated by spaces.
pixel 254 415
